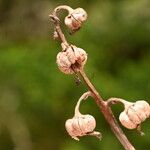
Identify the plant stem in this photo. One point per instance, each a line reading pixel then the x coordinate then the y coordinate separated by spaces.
pixel 106 110
pixel 83 97
pixel 56 22
pixel 64 7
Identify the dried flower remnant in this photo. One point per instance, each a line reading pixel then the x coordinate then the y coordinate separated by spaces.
pixel 75 19
pixel 134 114
pixel 81 125
pixel 55 35
pixel 71 59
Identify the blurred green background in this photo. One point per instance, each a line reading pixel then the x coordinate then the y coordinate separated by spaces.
pixel 36 98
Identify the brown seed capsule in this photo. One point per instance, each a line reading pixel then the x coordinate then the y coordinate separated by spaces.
pixel 75 19
pixel 142 106
pixel 134 114
pixel 71 59
pixel 81 125
pixel 126 122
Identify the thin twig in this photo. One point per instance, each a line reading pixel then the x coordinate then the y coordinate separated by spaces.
pixel 62 7
pixel 114 100
pixel 83 97
pixel 56 22
pixel 103 105
pixel 105 109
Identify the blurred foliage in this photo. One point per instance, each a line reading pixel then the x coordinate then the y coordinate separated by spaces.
pixel 36 99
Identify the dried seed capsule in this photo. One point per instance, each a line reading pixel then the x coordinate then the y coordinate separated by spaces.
pixel 75 19
pixel 143 106
pixel 126 122
pixel 134 113
pixel 71 59
pixel 81 125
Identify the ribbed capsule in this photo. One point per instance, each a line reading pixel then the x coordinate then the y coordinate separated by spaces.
pixel 71 59
pixel 125 121
pixel 143 106
pixel 134 114
pixel 75 19
pixel 80 126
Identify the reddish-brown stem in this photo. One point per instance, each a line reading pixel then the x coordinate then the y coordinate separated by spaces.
pixel 103 105
pixel 56 21
pixel 105 109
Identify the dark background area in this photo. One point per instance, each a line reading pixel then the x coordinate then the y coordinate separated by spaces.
pixel 36 98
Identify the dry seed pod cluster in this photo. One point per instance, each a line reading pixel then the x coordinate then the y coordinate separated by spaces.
pixel 134 114
pixel 75 19
pixel 71 59
pixel 81 125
